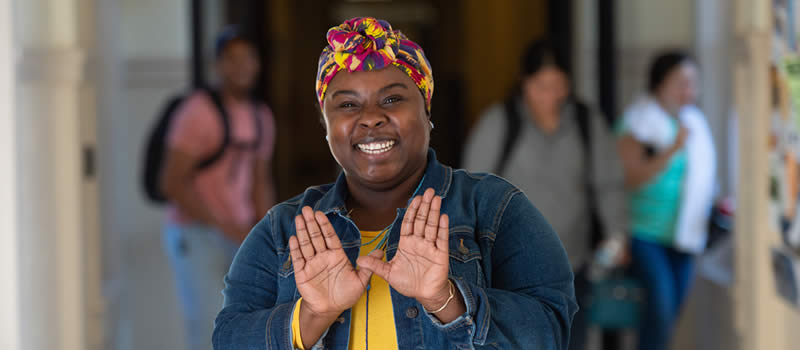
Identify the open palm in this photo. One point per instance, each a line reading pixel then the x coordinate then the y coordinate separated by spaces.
pixel 324 276
pixel 420 268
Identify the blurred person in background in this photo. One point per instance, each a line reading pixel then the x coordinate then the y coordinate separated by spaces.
pixel 561 155
pixel 401 252
pixel 668 155
pixel 214 206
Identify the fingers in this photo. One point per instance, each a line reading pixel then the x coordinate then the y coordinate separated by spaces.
pixel 422 214
pixel 314 232
pixel 432 225
pixel 374 263
pixel 407 228
pixel 328 233
pixel 302 237
pixel 297 257
pixel 443 236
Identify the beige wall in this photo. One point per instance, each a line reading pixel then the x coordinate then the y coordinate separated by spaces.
pixel 585 49
pixel 146 49
pixel 645 27
pixel 144 59
pixel 154 28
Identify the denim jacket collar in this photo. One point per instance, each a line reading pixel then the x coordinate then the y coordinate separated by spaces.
pixel 437 176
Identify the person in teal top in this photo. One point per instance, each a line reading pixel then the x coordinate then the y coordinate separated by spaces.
pixel 655 205
pixel 652 146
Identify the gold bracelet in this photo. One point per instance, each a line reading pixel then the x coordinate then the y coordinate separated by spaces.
pixel 452 294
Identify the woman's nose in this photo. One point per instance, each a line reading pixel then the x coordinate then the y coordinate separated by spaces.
pixel 372 118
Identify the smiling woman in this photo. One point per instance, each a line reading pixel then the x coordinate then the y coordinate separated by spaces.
pixel 401 252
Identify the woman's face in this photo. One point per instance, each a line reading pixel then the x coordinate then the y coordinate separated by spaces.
pixel 377 126
pixel 546 90
pixel 679 88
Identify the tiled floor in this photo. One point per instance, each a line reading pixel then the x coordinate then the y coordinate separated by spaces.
pixel 149 310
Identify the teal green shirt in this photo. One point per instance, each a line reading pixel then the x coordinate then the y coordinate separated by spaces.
pixel 654 206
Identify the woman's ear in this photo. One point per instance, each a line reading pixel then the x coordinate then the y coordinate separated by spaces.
pixel 322 119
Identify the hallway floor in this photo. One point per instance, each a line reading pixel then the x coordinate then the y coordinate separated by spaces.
pixel 150 311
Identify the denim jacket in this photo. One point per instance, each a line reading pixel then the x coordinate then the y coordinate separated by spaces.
pixel 505 260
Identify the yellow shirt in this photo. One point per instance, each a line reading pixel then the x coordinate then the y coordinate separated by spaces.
pixel 380 332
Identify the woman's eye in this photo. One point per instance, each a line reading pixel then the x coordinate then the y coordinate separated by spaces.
pixel 347 105
pixel 391 99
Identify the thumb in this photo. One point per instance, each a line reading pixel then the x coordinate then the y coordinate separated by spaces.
pixel 374 263
pixel 364 274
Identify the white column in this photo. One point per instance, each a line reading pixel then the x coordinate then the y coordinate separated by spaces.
pixel 56 210
pixel 9 258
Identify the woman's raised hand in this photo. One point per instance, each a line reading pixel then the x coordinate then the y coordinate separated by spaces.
pixel 327 281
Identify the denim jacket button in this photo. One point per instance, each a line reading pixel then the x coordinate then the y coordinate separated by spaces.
pixel 412 312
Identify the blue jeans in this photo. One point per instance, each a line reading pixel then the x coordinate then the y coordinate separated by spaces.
pixel 200 257
pixel 666 274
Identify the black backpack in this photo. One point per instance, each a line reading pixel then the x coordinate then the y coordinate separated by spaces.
pixel 513 128
pixel 155 150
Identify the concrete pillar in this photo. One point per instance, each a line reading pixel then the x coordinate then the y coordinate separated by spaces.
pixel 763 321
pixel 9 256
pixel 50 209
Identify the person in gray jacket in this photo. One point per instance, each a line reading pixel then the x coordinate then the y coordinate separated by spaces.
pixel 561 155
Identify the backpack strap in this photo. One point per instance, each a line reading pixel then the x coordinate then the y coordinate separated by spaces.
pixel 216 98
pixel 258 123
pixel 584 130
pixel 155 151
pixel 513 125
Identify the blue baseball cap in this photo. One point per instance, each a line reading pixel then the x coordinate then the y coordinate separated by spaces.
pixel 228 35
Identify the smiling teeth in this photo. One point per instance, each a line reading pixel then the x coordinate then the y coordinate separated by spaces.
pixel 376 147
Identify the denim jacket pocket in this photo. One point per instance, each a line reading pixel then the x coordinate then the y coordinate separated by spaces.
pixel 465 256
pixel 287 290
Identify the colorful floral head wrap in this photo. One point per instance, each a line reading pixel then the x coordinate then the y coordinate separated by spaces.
pixel 365 44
